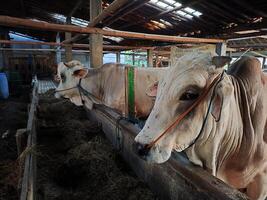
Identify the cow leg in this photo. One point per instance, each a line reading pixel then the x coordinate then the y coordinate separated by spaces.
pixel 257 189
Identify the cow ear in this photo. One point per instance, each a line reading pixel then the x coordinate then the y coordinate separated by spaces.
pixel 221 99
pixel 152 90
pixel 80 73
pixel 220 61
pixel 216 108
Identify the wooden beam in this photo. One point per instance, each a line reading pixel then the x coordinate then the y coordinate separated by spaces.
pixel 25 23
pixel 28 185
pixel 108 47
pixel 121 15
pixel 75 8
pixel 261 45
pixel 112 8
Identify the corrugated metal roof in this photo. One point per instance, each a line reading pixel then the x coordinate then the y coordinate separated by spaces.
pixel 197 18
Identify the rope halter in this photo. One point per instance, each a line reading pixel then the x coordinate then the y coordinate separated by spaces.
pixel 204 94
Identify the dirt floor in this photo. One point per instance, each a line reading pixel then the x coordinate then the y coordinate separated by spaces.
pixel 13 116
pixel 75 161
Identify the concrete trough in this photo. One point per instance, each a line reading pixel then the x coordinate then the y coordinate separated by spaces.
pixel 175 179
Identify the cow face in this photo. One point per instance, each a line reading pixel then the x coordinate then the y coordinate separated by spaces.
pixel 180 87
pixel 68 75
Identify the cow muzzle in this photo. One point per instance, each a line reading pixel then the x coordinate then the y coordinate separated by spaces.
pixel 141 150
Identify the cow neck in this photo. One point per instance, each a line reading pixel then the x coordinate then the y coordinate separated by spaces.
pixel 237 148
pixel 91 82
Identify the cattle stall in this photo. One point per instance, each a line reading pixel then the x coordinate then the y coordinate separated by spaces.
pixel 176 179
pixel 84 143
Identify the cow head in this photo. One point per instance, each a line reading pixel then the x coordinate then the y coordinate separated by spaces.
pixel 177 90
pixel 68 75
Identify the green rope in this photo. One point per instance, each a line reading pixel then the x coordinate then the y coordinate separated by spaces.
pixel 131 102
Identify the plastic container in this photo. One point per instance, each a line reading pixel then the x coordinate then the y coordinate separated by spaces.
pixel 4 91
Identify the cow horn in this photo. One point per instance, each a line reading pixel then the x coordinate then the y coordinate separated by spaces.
pixel 220 61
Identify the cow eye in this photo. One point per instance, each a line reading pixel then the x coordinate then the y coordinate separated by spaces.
pixel 189 95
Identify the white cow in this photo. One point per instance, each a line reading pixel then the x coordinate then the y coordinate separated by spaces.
pixel 109 84
pixel 229 139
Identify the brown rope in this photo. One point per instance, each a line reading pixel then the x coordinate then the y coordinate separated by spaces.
pixel 182 116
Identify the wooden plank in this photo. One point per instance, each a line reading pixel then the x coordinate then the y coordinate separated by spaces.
pixel 25 23
pixel 175 179
pixel 28 187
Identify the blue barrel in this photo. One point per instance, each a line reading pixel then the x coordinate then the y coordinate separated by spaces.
pixel 4 92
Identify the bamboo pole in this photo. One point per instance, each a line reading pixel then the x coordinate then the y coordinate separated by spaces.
pixel 26 23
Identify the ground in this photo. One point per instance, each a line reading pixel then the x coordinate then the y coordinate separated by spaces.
pixel 75 161
pixel 13 116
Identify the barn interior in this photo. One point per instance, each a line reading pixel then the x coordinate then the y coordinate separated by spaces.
pixel 35 36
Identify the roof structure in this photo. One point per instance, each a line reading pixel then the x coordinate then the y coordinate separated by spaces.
pixel 196 18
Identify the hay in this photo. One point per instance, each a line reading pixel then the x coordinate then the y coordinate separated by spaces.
pixel 77 162
pixel 14 116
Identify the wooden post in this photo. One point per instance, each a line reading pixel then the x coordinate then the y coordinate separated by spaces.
pixel 221 49
pixel 149 58
pixel 263 63
pixel 118 57
pixel 58 53
pixel 21 140
pixel 157 60
pixel 68 48
pixel 96 40
pixel 133 57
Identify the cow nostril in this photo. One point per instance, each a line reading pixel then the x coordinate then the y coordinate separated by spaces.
pixel 141 149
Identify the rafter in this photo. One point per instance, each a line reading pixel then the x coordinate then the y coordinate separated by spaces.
pixel 164 13
pixel 114 6
pixel 75 8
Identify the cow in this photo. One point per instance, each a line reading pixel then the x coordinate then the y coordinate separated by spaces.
pixel 109 85
pixel 226 133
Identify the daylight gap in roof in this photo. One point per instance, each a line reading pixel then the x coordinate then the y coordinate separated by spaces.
pixel 186 12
